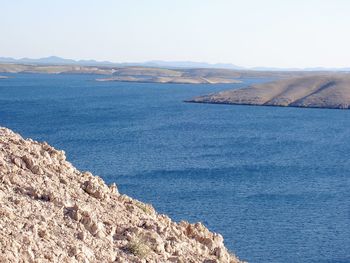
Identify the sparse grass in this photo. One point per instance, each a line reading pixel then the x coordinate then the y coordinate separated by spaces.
pixel 144 207
pixel 138 248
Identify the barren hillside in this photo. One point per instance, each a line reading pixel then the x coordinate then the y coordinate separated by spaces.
pixel 319 91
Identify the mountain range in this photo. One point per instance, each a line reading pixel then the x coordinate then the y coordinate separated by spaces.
pixel 54 60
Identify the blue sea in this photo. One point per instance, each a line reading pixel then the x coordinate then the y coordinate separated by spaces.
pixel 274 181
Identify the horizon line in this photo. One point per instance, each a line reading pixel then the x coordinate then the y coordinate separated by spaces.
pixel 225 65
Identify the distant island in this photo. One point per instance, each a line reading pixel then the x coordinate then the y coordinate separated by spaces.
pixel 151 74
pixel 133 74
pixel 317 91
pixel 173 80
pixel 55 69
pixel 4 77
pixel 179 76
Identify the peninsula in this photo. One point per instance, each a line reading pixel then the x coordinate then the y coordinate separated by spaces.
pixel 315 91
pixel 51 212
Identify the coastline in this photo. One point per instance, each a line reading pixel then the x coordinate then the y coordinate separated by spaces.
pixel 264 105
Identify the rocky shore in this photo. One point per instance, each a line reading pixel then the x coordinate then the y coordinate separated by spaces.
pixel 51 212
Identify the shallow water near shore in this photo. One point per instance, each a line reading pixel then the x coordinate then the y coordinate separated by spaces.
pixel 273 181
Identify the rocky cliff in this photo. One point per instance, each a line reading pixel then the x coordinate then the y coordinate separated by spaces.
pixel 318 91
pixel 51 212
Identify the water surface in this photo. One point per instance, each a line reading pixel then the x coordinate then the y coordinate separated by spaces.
pixel 273 181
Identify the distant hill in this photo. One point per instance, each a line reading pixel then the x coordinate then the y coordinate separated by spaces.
pixel 318 91
pixel 54 60
pixel 54 69
pixel 146 74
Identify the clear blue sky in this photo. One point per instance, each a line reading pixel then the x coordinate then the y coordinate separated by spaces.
pixel 279 33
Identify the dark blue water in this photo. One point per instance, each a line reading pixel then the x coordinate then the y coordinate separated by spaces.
pixel 274 181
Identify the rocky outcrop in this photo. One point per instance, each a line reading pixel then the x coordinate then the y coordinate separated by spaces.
pixel 51 212
pixel 319 91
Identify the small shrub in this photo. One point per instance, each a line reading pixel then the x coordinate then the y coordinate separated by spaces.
pixel 144 207
pixel 138 248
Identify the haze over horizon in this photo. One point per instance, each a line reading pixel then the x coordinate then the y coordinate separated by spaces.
pixel 271 33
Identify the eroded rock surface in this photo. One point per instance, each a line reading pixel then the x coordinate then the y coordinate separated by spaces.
pixel 51 212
